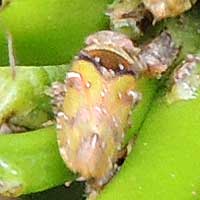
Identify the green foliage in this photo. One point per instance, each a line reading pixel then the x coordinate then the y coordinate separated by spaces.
pixel 164 161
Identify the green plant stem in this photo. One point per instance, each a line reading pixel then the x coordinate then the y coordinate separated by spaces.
pixel 30 162
pixel 164 163
pixel 49 32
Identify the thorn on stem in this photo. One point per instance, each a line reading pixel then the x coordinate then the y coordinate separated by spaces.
pixel 11 54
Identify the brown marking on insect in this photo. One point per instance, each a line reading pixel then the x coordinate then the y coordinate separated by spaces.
pixel 113 68
pixel 159 54
pixel 110 59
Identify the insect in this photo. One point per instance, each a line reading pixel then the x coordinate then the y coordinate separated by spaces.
pixel 94 103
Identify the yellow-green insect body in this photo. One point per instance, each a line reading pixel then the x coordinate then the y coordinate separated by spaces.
pixel 94 104
pixel 94 120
